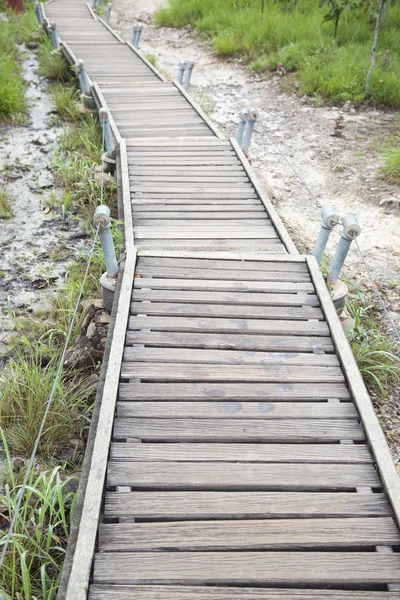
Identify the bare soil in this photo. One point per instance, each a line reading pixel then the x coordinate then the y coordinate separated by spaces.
pixel 343 172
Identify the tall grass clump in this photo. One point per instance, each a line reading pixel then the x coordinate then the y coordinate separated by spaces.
pixel 375 353
pixel 32 566
pixel 53 66
pixel 298 36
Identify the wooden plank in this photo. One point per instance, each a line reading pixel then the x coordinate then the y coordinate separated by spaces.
pixel 360 395
pixel 248 568
pixel 225 341
pixel 225 298
pixel 246 476
pixel 268 373
pixel 227 286
pixel 231 357
pixel 253 453
pixel 233 391
pixel 220 310
pixel 253 326
pixel 256 430
pixel 270 534
pixel 200 111
pixel 236 410
pixel 225 265
pixel 177 272
pixel 243 505
pixel 147 218
pixel 171 592
pixel 197 234
pixel 263 244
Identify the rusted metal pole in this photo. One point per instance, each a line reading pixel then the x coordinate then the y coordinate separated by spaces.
pixel 16 5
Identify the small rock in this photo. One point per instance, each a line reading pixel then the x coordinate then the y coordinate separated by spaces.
pixel 98 304
pixel 91 330
pixel 390 203
pixel 32 45
pixel 18 464
pixel 103 317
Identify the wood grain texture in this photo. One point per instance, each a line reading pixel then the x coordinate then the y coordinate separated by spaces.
pixel 248 476
pixel 199 505
pixel 243 452
pixel 237 410
pixel 249 535
pixel 171 592
pixel 227 286
pixel 233 391
pixel 247 568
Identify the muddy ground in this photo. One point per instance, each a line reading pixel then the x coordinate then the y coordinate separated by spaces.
pixel 342 172
pixel 38 241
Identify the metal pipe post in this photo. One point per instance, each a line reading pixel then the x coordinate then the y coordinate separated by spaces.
pixel 38 12
pixel 329 220
pixel 243 117
pixel 54 35
pixel 134 34
pixel 107 14
pixel 253 116
pixel 108 136
pixel 83 77
pixel 190 65
pixel 138 34
pixel 102 218
pixel 351 230
pixel 182 67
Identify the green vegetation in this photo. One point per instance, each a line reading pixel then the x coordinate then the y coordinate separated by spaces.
pixel 37 549
pixel 391 155
pixel 299 35
pixel 14 30
pixel 52 64
pixel 152 59
pixel 375 353
pixel 33 563
pixel 5 204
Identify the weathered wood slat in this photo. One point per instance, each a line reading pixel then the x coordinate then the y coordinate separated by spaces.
pixel 236 312
pixel 295 568
pixel 226 265
pixel 243 505
pixel 220 452
pixel 279 430
pixel 268 373
pixel 226 286
pixel 171 272
pixel 256 232
pixel 237 410
pixel 249 535
pixel 231 357
pixel 246 476
pixel 226 341
pixel 171 592
pixel 233 391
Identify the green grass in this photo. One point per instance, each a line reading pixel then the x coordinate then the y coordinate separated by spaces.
pixel 32 567
pixel 375 353
pixel 67 102
pixel 5 204
pixel 333 69
pixel 52 64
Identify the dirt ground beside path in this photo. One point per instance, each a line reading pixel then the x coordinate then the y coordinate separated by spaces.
pixel 342 172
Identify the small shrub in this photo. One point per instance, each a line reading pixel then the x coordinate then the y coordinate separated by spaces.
pixel 5 205
pixel 53 65
pixel 225 46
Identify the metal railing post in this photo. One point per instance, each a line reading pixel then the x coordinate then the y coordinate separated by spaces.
pixel 83 78
pixel 182 67
pixel 102 218
pixel 243 117
pixel 38 12
pixel 253 116
pixel 190 65
pixel 108 136
pixel 351 230
pixel 138 35
pixel 54 35
pixel 329 220
pixel 107 14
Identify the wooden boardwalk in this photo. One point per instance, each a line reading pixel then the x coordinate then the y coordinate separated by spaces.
pixel 236 452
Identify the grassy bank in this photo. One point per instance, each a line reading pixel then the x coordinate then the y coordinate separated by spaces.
pixel 33 563
pixel 14 30
pixel 296 35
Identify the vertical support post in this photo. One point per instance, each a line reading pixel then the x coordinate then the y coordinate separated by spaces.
pixel 108 136
pixel 329 220
pixel 351 230
pixel 190 65
pixel 107 14
pixel 102 218
pixel 182 67
pixel 134 34
pixel 54 35
pixel 83 78
pixel 38 12
pixel 138 35
pixel 253 116
pixel 243 117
